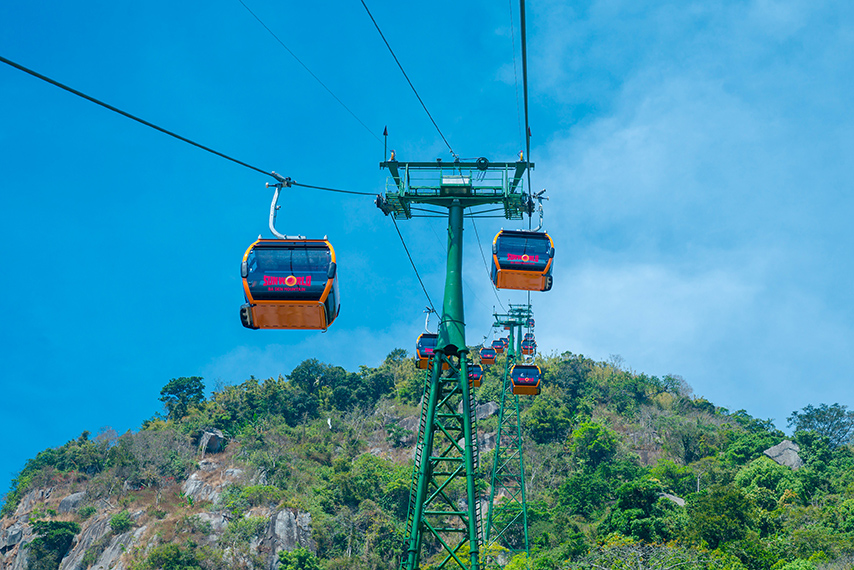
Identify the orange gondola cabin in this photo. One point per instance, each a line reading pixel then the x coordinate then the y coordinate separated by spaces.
pixel 498 346
pixel 526 379
pixel 289 284
pixel 425 348
pixel 487 355
pixel 529 347
pixel 475 373
pixel 522 260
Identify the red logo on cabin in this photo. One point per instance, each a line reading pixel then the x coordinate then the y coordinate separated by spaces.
pixel 523 258
pixel 289 281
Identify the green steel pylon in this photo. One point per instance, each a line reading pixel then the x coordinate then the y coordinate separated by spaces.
pixel 446 453
pixel 507 517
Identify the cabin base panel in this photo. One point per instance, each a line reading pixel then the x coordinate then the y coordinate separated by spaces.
pixel 522 280
pixel 289 315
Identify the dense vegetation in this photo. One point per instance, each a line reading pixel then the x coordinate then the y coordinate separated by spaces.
pixel 609 453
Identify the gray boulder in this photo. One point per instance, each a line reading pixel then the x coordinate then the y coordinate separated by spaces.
pixel 673 498
pixel 71 502
pixel 786 453
pixel 211 441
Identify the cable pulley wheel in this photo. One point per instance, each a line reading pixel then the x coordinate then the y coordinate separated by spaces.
pixel 482 163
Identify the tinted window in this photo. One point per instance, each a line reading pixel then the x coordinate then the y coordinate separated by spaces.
pixel 426 344
pixel 288 272
pixel 523 251
pixel 525 375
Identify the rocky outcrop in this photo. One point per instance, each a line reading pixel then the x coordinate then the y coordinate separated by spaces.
pixel 92 533
pixel 483 411
pixel 786 453
pixel 31 499
pixel 207 483
pixel 13 555
pixel 110 558
pixel 486 442
pixel 287 530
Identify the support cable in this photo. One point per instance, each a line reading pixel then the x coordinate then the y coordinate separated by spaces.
pixel 316 78
pixel 515 77
pixel 168 132
pixel 397 61
pixel 525 91
pixel 406 249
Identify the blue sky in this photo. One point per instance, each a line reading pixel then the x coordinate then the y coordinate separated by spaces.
pixel 698 159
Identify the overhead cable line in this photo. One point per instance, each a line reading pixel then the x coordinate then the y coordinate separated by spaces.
pixel 334 189
pixel 524 42
pixel 166 131
pixel 316 78
pixel 406 249
pixel 397 61
pixel 515 76
pixel 128 115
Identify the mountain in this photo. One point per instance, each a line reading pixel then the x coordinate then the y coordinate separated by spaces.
pixel 313 471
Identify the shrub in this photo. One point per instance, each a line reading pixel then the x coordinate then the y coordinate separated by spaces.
pixel 86 512
pixel 121 522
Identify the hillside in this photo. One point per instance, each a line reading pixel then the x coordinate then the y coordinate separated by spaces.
pixel 313 470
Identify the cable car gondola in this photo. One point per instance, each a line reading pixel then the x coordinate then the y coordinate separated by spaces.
pixel 529 347
pixel 530 323
pixel 475 373
pixel 425 347
pixel 498 346
pixel 289 284
pixel 522 260
pixel 526 379
pixel 505 340
pixel 487 355
pixel 528 336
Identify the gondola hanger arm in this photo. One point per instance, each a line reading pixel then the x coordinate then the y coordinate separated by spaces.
pixel 538 196
pixel 274 205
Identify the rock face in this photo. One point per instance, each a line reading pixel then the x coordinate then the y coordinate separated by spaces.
pixel 287 530
pixel 486 442
pixel 31 499
pixel 207 483
pixel 13 555
pixel 110 555
pixel 483 411
pixel 786 453
pixel 283 528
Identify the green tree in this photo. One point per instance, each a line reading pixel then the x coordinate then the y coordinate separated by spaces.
pixel 593 444
pixel 547 419
pixel 835 422
pixel 721 515
pixel 180 394
pixel 53 541
pixel 298 559
pixel 171 557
